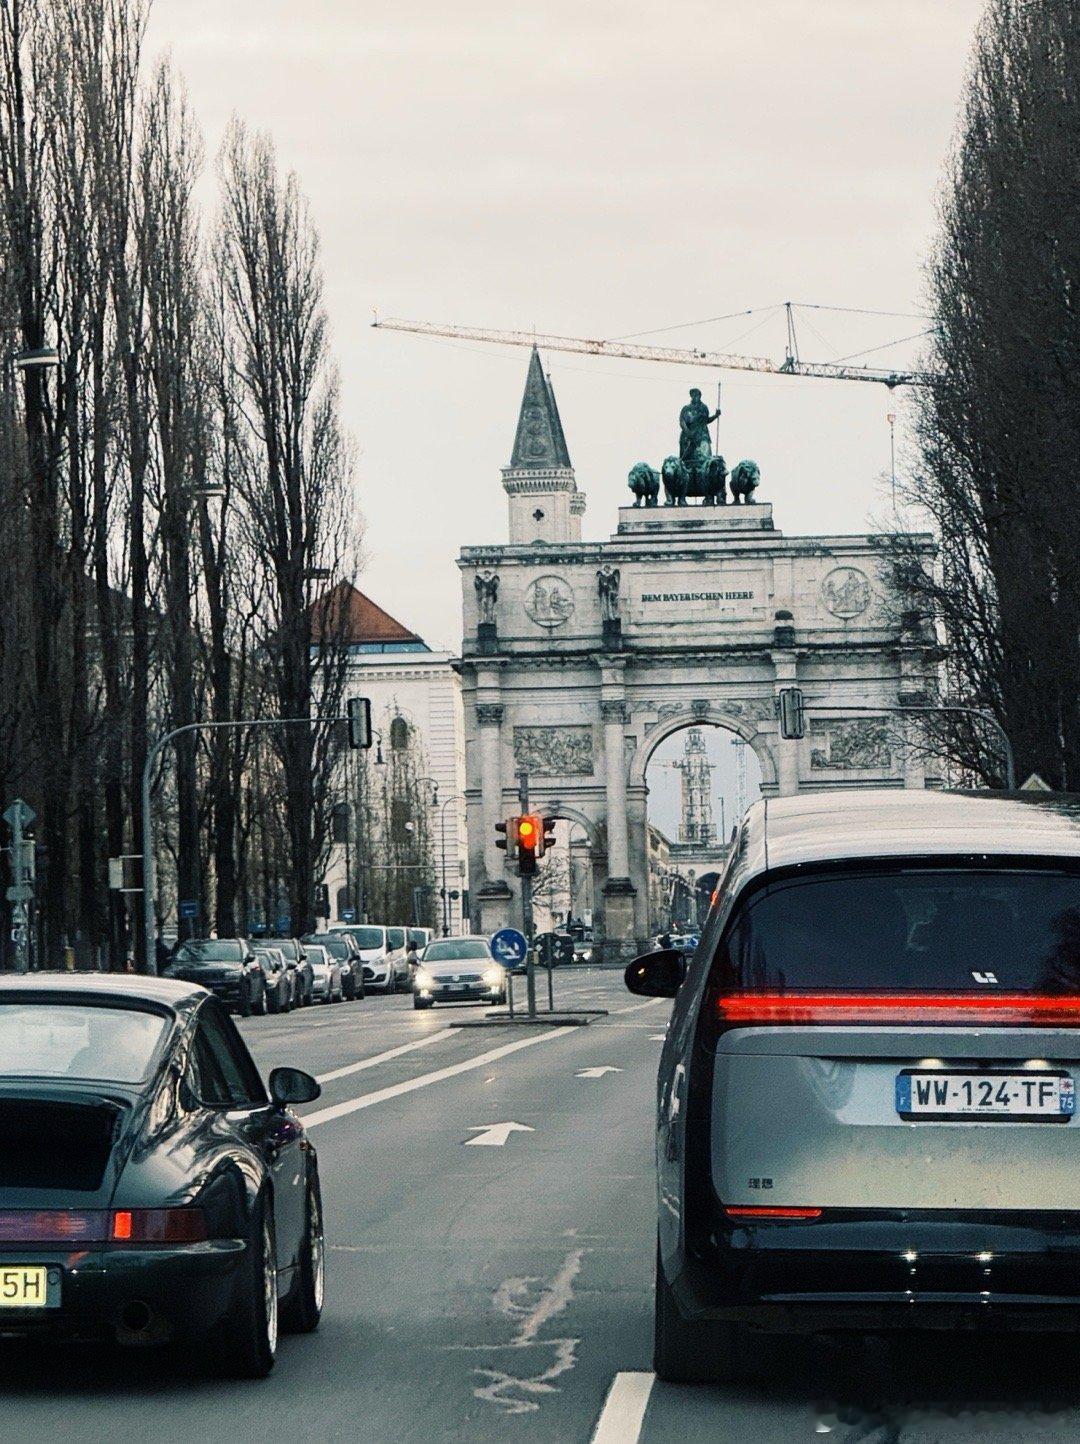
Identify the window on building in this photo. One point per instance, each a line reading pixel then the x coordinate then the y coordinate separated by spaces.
pixel 399 734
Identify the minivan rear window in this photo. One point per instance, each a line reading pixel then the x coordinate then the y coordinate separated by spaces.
pixel 912 930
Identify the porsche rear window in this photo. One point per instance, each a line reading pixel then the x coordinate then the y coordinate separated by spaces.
pixel 108 1045
pixel 911 930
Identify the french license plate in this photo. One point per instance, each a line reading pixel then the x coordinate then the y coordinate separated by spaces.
pixel 29 1286
pixel 1015 1097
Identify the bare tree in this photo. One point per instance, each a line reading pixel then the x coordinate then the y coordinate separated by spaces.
pixel 294 469
pixel 999 429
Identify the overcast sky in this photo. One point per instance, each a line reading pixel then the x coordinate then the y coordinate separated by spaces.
pixel 596 169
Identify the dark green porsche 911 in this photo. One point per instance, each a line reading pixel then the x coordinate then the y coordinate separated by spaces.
pixel 151 1188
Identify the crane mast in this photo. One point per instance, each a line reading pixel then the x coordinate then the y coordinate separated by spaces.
pixel 792 364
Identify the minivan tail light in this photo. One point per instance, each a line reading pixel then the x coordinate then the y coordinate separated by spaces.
pixel 764 1212
pixel 746 1009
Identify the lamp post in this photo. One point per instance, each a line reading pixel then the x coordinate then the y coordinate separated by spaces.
pixel 444 893
pixel 148 869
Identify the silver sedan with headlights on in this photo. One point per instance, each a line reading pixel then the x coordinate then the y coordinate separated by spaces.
pixel 458 970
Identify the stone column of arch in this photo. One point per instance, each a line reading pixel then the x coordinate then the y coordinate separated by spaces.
pixel 489 716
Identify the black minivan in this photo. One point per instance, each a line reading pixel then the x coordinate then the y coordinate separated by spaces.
pixel 867 1094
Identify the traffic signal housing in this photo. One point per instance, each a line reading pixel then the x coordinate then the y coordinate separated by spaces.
pixel 547 833
pixel 506 830
pixel 530 844
pixel 791 706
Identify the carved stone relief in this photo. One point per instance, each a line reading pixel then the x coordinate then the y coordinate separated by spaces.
pixel 846 591
pixel 863 743
pixel 554 751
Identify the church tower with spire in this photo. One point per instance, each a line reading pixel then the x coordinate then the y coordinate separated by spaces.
pixel 545 504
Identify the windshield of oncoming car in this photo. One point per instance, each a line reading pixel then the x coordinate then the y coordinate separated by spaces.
pixel 451 950
pixel 210 950
pixel 43 1040
pixel 909 930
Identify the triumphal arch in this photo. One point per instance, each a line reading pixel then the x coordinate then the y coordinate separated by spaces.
pixel 580 658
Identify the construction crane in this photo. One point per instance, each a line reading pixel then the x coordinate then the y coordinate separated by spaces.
pixel 792 364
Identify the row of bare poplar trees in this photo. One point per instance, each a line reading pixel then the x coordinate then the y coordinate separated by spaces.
pixel 999 428
pixel 176 494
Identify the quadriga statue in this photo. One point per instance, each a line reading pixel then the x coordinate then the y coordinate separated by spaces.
pixel 676 480
pixel 745 479
pixel 644 482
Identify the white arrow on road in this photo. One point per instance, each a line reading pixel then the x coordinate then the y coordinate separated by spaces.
pixel 597 1072
pixel 494 1135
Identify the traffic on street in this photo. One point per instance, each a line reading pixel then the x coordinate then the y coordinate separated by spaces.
pixel 481 1204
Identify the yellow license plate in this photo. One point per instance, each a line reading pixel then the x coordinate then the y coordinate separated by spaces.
pixel 29 1286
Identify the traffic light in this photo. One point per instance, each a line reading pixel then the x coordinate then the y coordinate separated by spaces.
pixel 792 709
pixel 506 830
pixel 358 713
pixel 530 845
pixel 547 833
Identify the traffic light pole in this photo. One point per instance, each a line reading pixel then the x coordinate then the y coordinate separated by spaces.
pixel 527 910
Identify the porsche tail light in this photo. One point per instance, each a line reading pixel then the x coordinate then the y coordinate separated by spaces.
pixel 740 1010
pixel 158 1225
pixel 780 1212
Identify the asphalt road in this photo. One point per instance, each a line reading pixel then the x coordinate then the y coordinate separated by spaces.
pixel 502 1291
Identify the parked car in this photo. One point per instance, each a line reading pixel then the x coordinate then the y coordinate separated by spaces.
pixel 420 937
pixel 189 1189
pixel 343 947
pixel 458 970
pixel 279 982
pixel 382 968
pixel 292 950
pixel 227 966
pixel 867 1094
pixel 327 975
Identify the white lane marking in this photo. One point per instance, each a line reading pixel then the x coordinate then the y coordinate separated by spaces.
pixel 385 1057
pixel 598 1072
pixel 637 1007
pixel 624 1409
pixel 494 1135
pixel 368 1100
pixel 657 1037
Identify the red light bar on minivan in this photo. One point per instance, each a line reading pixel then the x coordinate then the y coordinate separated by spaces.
pixel 1004 1009
pixel 803 1215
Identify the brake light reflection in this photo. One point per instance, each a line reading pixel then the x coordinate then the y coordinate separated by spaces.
pixel 1022 1008
pixel 779 1211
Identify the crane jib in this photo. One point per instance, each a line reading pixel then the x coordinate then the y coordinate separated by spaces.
pixel 675 355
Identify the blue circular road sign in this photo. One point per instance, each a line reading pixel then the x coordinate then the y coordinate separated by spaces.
pixel 509 946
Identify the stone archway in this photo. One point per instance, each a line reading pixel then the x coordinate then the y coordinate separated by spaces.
pixel 595 833
pixel 744 727
pixel 696 715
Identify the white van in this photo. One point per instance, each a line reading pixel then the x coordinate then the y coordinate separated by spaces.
pixel 382 954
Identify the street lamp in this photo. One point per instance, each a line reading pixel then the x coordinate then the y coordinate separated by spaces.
pixel 457 797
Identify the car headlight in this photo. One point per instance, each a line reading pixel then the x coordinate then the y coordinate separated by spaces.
pixel 494 977
pixel 424 979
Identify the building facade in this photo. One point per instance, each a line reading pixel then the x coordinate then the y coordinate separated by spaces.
pixel 405 798
pixel 580 658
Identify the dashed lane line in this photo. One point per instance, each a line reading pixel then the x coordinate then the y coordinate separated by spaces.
pixel 396 1090
pixel 624 1409
pixel 350 1068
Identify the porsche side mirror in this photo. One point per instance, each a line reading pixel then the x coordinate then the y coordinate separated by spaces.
pixel 292 1085
pixel 657 975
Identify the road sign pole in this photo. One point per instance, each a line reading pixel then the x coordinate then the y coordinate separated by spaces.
pixel 21 892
